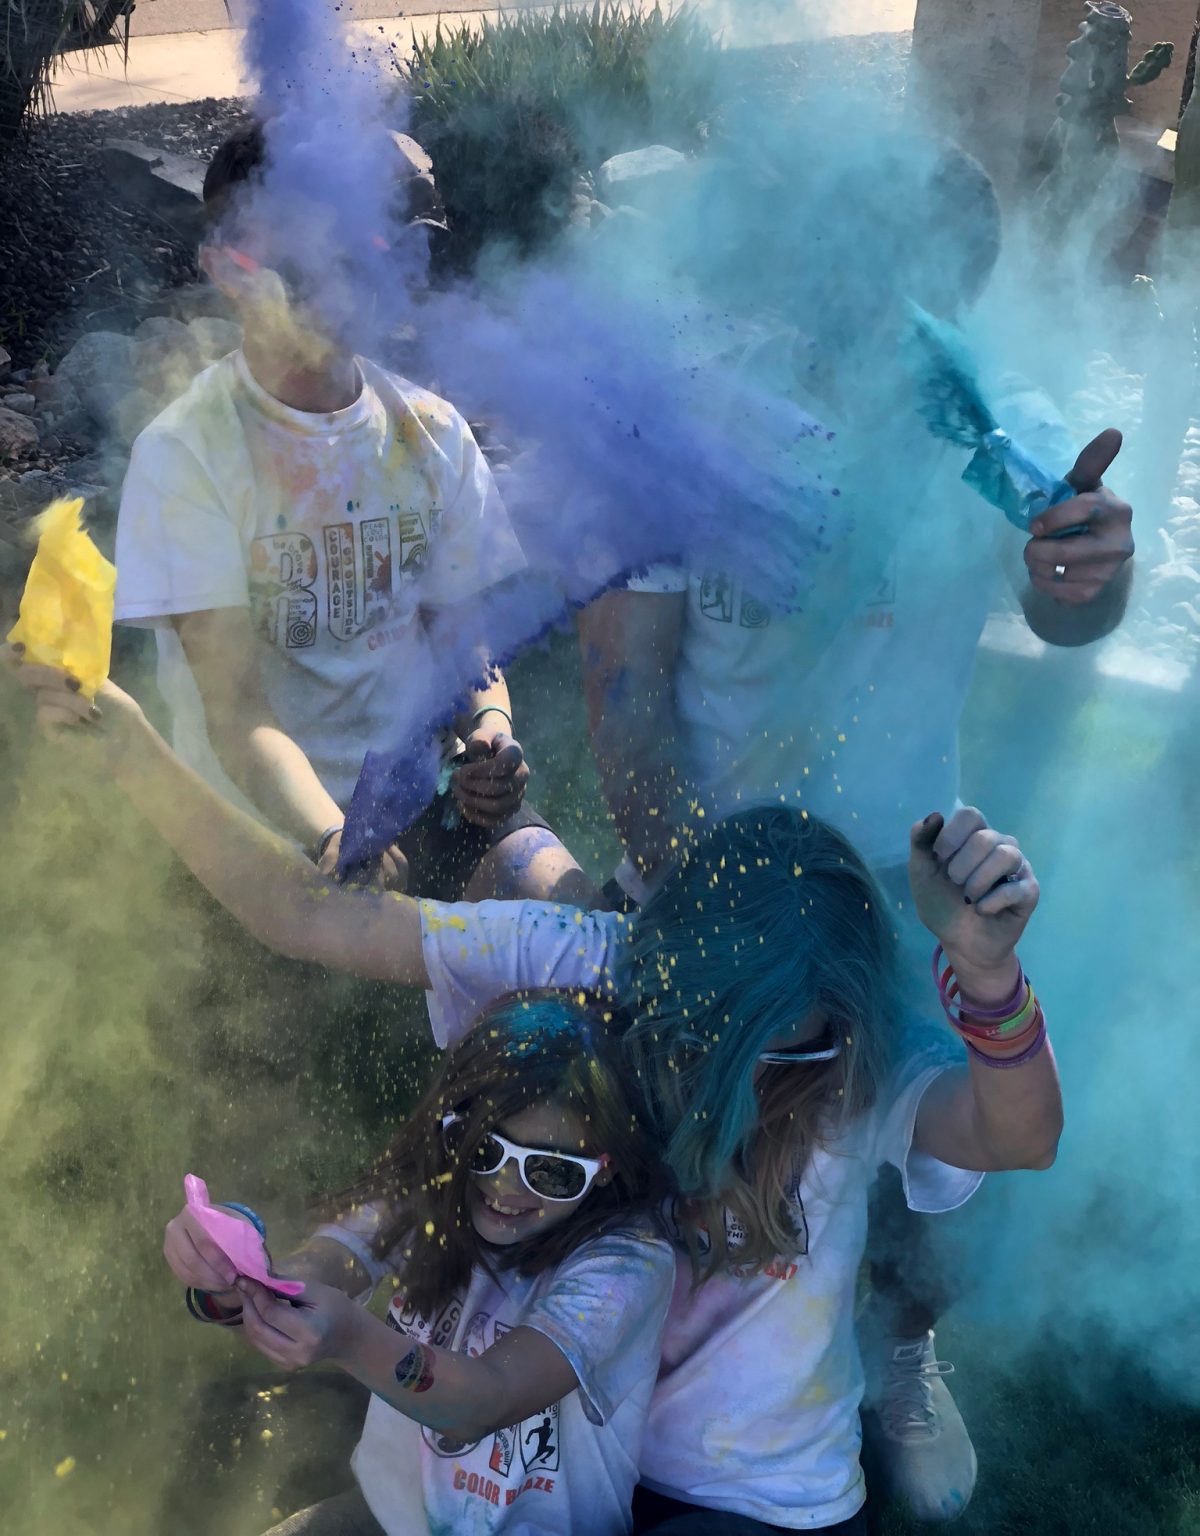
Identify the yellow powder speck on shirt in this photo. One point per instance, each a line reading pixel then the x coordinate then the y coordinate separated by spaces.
pixel 429 1229
pixel 437 918
pixel 266 1437
pixel 65 1467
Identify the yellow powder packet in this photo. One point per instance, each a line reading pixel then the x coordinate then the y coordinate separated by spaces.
pixel 66 614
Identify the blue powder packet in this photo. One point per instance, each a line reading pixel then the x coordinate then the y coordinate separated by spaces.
pixel 1012 480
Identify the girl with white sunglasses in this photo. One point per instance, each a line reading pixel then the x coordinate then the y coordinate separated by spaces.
pixel 512 1375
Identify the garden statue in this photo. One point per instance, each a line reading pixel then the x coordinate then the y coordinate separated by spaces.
pixel 1082 143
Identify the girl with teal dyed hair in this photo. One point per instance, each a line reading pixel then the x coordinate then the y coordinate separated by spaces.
pixel 768 1037
pixel 772 920
pixel 511 1379
pixel 767 1051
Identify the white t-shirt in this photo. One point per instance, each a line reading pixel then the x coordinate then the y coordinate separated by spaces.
pixel 854 720
pixel 781 1445
pixel 569 1470
pixel 756 1408
pixel 332 528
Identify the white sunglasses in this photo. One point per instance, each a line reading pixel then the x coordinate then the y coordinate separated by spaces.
pixel 548 1175
pixel 793 1055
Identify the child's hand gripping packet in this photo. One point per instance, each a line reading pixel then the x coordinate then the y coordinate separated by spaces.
pixel 66 614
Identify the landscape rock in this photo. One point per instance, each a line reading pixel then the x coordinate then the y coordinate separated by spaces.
pixel 75 426
pixel 191 301
pixel 5 363
pixel 215 337
pixel 18 435
pixel 24 496
pixel 133 411
pixel 420 162
pixel 639 174
pixel 57 392
pixel 20 402
pixel 166 185
pixel 166 357
pixel 99 368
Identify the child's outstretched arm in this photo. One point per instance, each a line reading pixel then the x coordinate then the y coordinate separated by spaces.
pixel 196 1261
pixel 467 1396
pixel 975 892
pixel 265 882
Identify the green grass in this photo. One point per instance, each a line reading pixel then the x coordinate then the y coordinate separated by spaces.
pixel 1068 1445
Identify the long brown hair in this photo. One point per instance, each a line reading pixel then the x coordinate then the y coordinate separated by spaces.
pixel 524 1049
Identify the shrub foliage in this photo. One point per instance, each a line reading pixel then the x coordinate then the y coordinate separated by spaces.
pixel 512 112
pixel 34 32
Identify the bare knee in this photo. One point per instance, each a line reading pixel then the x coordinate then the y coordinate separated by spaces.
pixel 531 865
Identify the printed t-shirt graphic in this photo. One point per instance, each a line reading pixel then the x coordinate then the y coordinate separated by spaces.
pixel 566 1470
pixel 728 1426
pixel 856 723
pixel 331 528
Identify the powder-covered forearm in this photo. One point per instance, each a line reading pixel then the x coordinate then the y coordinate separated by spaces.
pixel 264 881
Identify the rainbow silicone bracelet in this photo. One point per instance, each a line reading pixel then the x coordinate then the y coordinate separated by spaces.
pixel 1004 1063
pixel 1011 1028
pixel 1006 1009
pixel 205 1310
pixel 984 1023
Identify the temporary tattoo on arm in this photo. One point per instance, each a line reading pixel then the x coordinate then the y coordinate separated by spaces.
pixel 414 1371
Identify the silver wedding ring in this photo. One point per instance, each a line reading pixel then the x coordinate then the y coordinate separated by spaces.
pixel 1060 573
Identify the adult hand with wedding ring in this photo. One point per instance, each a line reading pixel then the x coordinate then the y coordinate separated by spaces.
pixel 1077 570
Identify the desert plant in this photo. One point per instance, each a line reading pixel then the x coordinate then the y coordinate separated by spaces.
pixel 34 33
pixel 513 111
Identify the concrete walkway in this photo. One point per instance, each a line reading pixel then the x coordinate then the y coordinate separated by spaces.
pixel 187 66
pixel 167 65
pixel 151 18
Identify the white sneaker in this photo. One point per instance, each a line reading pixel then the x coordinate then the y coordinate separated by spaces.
pixel 925 1452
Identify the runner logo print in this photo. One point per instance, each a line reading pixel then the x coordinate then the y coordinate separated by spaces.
pixel 538 1438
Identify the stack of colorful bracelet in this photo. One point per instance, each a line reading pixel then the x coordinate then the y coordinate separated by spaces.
pixel 1017 1026
pixel 205 1308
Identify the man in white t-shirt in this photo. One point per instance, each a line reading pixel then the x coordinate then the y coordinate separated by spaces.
pixel 284 526
pixel 702 701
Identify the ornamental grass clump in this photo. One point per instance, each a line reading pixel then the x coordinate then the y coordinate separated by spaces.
pixel 514 111
pixel 32 35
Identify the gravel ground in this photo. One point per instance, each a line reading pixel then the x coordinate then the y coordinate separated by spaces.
pixel 70 259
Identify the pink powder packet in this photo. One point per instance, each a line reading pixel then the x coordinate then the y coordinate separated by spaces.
pixel 237 1239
